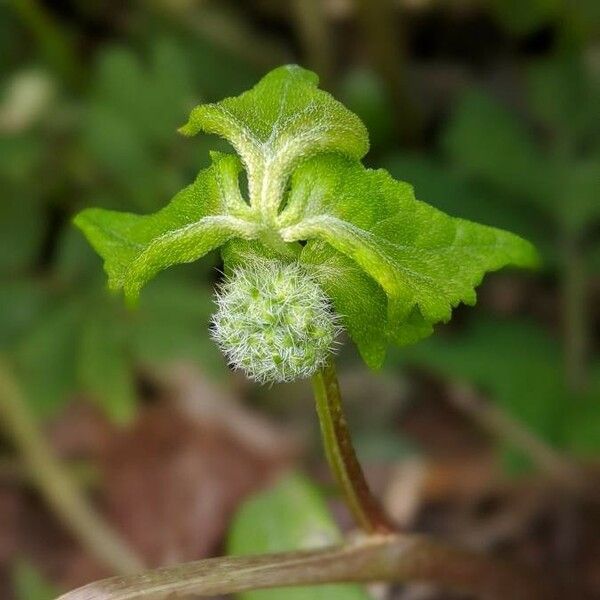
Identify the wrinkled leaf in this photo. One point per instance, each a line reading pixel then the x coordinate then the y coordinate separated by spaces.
pixel 366 233
pixel 426 261
pixel 280 121
pixel 354 295
pixel 135 248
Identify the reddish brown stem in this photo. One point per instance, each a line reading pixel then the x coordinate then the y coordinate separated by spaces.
pixel 341 455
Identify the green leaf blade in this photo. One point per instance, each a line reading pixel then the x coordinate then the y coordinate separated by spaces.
pixel 354 294
pixel 282 120
pixel 393 266
pixel 284 105
pixel 135 248
pixel 30 584
pixel 425 260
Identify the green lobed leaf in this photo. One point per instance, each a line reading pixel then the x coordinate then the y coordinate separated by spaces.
pixel 291 515
pixel 393 266
pixel 284 113
pixel 280 121
pixel 135 248
pixel 426 261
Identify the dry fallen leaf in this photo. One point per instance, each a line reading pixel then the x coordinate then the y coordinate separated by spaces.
pixel 174 479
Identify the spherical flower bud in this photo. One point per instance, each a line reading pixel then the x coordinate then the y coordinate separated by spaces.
pixel 274 322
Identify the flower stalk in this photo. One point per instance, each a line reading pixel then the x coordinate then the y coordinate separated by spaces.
pixel 341 455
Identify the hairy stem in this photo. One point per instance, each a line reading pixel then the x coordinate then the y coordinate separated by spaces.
pixel 56 485
pixel 341 455
pixel 394 558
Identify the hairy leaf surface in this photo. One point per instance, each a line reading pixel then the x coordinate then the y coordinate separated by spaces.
pixel 425 260
pixel 280 121
pixel 393 266
pixel 135 248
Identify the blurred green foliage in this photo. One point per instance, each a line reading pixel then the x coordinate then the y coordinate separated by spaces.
pixel 114 143
pixel 557 173
pixel 536 174
pixel 579 20
pixel 29 584
pixel 291 515
pixel 108 138
pixel 518 365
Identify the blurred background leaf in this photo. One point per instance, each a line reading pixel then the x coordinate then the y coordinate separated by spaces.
pixel 520 370
pixel 291 515
pixel 30 585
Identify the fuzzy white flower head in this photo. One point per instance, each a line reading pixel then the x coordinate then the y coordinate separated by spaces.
pixel 274 322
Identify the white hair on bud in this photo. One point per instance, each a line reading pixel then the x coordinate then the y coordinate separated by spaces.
pixel 274 322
